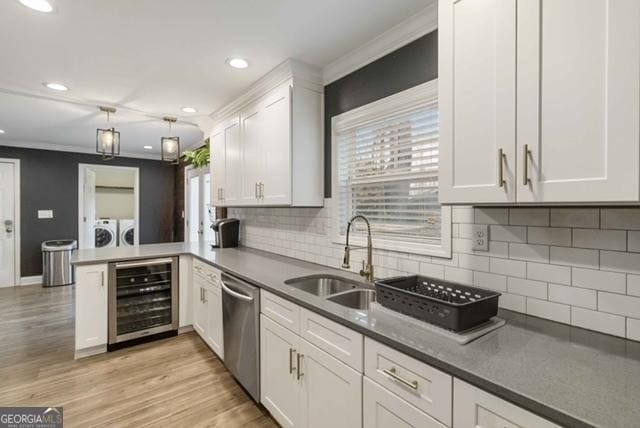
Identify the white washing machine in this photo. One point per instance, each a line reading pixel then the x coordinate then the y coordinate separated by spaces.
pixel 106 233
pixel 126 232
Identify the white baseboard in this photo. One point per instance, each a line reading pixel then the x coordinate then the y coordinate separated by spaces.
pixel 185 329
pixel 31 280
pixel 88 352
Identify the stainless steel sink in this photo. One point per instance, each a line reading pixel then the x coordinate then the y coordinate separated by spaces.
pixel 322 285
pixel 355 299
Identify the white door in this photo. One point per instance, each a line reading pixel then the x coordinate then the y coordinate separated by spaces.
pixel 217 165
pixel 199 307
pixel 252 154
pixel 275 178
pixel 232 189
pixel 477 96
pixel 279 388
pixel 578 100
pixel 214 332
pixel 199 212
pixel 88 209
pixel 7 236
pixel 91 306
pixel 331 390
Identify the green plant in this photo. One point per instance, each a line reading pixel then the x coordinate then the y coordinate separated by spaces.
pixel 199 157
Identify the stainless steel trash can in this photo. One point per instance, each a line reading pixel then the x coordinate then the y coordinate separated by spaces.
pixel 56 262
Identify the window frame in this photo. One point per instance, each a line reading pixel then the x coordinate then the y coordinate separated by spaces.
pixel 388 105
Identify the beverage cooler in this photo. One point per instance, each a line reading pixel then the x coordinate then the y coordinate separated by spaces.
pixel 143 301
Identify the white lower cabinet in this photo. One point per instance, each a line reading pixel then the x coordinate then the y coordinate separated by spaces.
pixel 331 390
pixel 475 408
pixel 92 305
pixel 207 307
pixel 383 409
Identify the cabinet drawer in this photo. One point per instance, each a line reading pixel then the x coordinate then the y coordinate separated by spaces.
pixel 475 408
pixel 333 338
pixel 382 408
pixel 209 276
pixel 282 311
pixel 421 385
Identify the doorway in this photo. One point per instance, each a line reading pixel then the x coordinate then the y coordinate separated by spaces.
pixel 108 206
pixel 10 212
pixel 199 214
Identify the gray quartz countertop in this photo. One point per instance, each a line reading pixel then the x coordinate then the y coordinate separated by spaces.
pixel 568 375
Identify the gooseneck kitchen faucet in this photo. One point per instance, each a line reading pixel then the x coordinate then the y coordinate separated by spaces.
pixel 367 271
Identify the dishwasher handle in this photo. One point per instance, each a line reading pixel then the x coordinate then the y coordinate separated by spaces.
pixel 235 293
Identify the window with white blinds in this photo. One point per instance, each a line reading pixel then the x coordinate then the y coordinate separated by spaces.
pixel 386 168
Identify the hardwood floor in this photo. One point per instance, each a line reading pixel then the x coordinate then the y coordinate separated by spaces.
pixel 176 382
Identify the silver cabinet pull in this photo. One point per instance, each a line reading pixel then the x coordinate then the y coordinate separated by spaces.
pixel 102 279
pixel 501 158
pixel 525 162
pixel 256 191
pixel 204 296
pixel 291 367
pixel 392 373
pixel 299 373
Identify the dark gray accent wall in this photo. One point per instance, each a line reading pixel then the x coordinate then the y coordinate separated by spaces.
pixel 408 66
pixel 49 180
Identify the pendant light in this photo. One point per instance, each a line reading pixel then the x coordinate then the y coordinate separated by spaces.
pixel 108 140
pixel 170 146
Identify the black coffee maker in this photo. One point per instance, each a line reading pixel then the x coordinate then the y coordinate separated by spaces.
pixel 226 233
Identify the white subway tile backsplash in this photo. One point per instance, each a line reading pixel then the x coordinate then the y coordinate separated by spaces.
pixel 575 257
pixel 490 281
pixel 600 239
pixel 549 236
pixel 529 216
pixel 588 218
pixel 549 273
pixel 549 310
pixel 599 280
pixel 507 233
pixel 508 267
pixel 598 321
pixel 573 296
pixel 619 304
pixel 619 261
pixel 529 252
pixel 527 287
pixel 534 254
pixel 492 216
pixel 620 218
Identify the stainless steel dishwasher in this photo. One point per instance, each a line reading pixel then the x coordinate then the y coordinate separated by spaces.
pixel 240 320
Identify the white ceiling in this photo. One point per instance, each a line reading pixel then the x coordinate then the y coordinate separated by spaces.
pixel 151 57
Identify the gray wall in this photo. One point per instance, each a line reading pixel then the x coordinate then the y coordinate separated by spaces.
pixel 402 69
pixel 49 180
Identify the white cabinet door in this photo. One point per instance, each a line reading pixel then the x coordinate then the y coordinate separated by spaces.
pixel 276 138
pixel 383 409
pixel 214 333
pixel 217 165
pixel 232 190
pixel 252 153
pixel 474 408
pixel 578 100
pixel 91 306
pixel 199 308
pixel 477 96
pixel 331 390
pixel 279 387
pixel 185 298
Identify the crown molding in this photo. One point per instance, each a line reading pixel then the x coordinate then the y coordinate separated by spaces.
pixel 70 148
pixel 407 31
pixel 300 73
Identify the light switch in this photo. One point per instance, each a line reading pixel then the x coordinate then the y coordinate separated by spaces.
pixel 480 237
pixel 45 213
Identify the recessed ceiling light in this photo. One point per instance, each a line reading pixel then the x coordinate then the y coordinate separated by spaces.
pixel 238 63
pixel 189 110
pixel 1 131
pixel 56 86
pixel 148 147
pixel 39 5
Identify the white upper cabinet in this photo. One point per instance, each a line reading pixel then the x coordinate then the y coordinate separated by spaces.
pixel 578 100
pixel 567 73
pixel 278 150
pixel 477 96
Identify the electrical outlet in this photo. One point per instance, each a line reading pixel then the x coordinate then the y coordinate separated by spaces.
pixel 480 237
pixel 45 213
